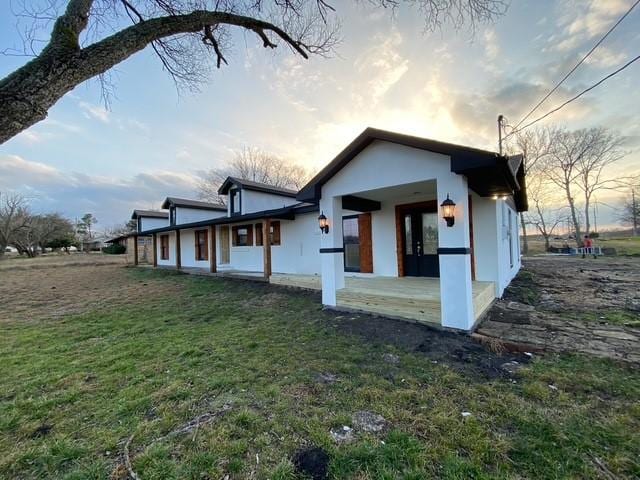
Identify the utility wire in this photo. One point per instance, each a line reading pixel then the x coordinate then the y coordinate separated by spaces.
pixel 574 98
pixel 577 65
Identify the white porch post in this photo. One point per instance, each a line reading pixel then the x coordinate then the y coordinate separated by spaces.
pixel 331 250
pixel 456 297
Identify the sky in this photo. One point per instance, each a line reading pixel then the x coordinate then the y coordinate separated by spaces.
pixel 387 72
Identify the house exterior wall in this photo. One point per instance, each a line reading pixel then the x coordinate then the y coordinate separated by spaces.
pixel 189 215
pixel 253 201
pixel 172 249
pixel 298 252
pixel 491 239
pixel 149 223
pixel 384 164
pixel 188 249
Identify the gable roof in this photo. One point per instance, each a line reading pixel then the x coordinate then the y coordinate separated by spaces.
pixel 488 173
pixel 256 186
pixel 197 204
pixel 149 214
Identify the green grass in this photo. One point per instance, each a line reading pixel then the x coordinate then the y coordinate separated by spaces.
pixel 147 368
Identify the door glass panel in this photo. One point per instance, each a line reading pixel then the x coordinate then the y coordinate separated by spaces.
pixel 351 239
pixel 408 240
pixel 429 233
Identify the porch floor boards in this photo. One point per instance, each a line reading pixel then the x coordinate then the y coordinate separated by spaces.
pixel 412 298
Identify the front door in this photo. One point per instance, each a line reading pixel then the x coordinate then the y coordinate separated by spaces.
pixel 420 237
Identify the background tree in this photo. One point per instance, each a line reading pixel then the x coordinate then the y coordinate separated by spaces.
pixel 89 37
pixel 256 165
pixel 14 218
pixel 85 225
pixel 534 145
pixel 545 218
pixel 630 214
pixel 601 149
pixel 41 231
pixel 562 168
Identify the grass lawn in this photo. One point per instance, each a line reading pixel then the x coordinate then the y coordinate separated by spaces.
pixel 76 386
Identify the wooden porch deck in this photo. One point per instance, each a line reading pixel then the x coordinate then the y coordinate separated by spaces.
pixel 410 298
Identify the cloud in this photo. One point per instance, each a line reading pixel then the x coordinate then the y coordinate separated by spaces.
pixel 604 57
pixel 585 20
pixel 73 194
pixel 95 112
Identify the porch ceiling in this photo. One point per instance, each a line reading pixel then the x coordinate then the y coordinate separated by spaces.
pixel 408 192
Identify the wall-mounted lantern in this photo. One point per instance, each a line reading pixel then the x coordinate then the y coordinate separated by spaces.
pixel 323 223
pixel 449 211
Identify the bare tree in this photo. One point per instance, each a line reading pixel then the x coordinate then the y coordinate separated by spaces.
pixel 563 167
pixel 541 215
pixel 88 38
pixel 256 165
pixel 602 148
pixel 40 231
pixel 534 145
pixel 14 218
pixel 630 214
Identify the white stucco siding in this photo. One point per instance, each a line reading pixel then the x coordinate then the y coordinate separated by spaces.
pixel 299 249
pixel 509 244
pixel 149 223
pixel 485 239
pixel 384 164
pixel 245 258
pixel 189 215
pixel 491 239
pixel 171 261
pixel 188 250
pixel 253 201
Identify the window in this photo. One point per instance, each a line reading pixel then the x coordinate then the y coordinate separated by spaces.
pixel 274 234
pixel 351 239
pixel 172 215
pixel 242 235
pixel 202 242
pixel 164 247
pixel 234 202
pixel 258 227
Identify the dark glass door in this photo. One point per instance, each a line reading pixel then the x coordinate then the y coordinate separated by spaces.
pixel 420 229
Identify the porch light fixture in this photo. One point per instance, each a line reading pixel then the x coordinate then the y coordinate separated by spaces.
pixel 323 223
pixel 448 211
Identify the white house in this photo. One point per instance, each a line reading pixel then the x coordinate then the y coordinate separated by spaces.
pixel 411 228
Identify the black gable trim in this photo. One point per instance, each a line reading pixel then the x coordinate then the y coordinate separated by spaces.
pixel 487 172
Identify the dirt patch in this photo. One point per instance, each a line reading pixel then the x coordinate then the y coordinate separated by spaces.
pixel 571 304
pixel 45 292
pixel 312 462
pixel 456 350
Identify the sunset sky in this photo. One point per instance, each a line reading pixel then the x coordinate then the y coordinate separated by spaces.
pixel 387 72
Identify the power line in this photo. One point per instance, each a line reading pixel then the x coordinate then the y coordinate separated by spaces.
pixel 601 81
pixel 578 64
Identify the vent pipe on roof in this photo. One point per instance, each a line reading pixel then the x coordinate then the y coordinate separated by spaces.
pixel 500 127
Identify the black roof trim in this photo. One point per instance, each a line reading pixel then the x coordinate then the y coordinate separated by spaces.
pixel 285 213
pixel 149 214
pixel 256 186
pixel 196 204
pixel 488 173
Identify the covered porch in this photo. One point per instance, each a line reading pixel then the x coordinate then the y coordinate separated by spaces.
pixel 407 298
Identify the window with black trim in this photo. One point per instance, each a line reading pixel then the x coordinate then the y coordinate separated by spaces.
pixel 234 202
pixel 164 247
pixel 242 235
pixel 202 242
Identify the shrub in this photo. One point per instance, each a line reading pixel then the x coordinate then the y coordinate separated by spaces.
pixel 114 249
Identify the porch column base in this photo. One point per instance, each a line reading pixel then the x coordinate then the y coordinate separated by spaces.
pixel 456 296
